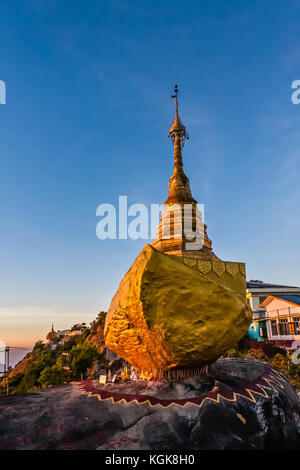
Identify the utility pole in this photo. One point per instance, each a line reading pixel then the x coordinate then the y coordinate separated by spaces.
pixel 7 361
pixel 6 367
pixel 4 372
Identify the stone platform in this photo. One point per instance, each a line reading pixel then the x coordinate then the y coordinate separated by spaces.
pixel 239 405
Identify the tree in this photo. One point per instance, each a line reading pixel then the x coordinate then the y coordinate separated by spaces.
pixel 79 327
pixel 52 376
pixel 39 346
pixel 32 372
pixel 15 380
pixel 81 358
pixel 100 320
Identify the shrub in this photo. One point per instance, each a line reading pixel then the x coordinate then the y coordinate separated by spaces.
pixel 81 358
pixel 54 375
pixel 233 352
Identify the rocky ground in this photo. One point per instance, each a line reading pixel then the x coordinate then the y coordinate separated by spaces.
pixel 239 405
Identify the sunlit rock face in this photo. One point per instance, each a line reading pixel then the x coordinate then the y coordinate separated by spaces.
pixel 171 312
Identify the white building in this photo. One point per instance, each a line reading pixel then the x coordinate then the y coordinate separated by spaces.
pixel 282 314
pixel 257 292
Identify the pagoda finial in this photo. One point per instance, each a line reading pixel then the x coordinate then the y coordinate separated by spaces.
pixel 177 128
pixel 176 97
pixel 179 202
pixel 179 187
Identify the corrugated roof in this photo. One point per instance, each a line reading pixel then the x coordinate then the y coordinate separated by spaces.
pixel 264 285
pixel 295 299
pixel 292 299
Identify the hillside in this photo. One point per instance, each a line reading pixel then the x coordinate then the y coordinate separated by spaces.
pixel 60 360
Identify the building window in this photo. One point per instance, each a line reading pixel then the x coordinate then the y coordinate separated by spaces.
pixel 283 327
pixel 263 332
pixel 296 321
pixel 292 328
pixel 274 328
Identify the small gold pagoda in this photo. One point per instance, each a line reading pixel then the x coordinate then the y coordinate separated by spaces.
pixel 181 230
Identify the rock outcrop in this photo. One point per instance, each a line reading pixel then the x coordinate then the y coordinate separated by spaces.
pixel 168 314
pixel 260 410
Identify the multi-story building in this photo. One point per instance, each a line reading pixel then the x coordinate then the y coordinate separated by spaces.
pixel 282 313
pixel 257 292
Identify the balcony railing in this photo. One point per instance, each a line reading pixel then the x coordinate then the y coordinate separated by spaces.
pixel 258 315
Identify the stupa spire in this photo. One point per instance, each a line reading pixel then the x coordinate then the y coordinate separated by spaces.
pixel 179 186
pixel 177 132
pixel 179 197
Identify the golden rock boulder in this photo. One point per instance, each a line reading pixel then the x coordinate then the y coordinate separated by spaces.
pixel 171 314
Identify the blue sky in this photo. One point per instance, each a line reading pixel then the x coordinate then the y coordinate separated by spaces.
pixel 86 120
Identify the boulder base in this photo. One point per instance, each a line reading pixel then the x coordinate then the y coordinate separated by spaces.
pixel 167 315
pixel 239 405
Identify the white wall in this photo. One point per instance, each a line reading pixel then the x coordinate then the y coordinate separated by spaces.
pixel 280 308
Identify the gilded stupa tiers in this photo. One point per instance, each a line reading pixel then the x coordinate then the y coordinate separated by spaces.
pixel 181 221
pixel 178 307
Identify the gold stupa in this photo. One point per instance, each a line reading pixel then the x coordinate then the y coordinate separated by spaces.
pixel 178 306
pixel 174 217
